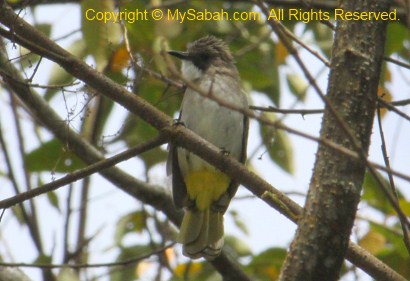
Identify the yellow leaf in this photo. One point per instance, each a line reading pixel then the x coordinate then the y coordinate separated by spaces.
pixel 99 35
pixel 373 242
pixel 281 53
pixel 169 254
pixel 119 59
pixel 142 267
pixel 387 75
pixel 271 272
pixel 192 268
pixel 386 96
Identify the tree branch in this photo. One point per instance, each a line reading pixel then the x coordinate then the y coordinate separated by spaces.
pixel 121 263
pixel 322 237
pixel 403 219
pixel 82 173
pixel 148 194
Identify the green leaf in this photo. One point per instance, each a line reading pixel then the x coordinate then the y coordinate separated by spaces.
pixel 28 58
pixel 394 239
pixel 18 214
pixel 264 73
pixel 129 272
pixel 394 254
pixel 52 156
pixel 239 222
pixel 141 33
pixel 42 259
pixel 53 199
pixel 278 144
pixel 398 263
pixel 297 85
pixel 67 274
pixel 153 156
pixel 267 265
pixel 237 247
pixel 134 222
pixel 58 76
pixel 323 37
pixel 45 28
pixel 396 36
pixel 376 198
pixel 98 35
pixel 405 206
pixel 155 92
pixel 101 109
pixel 136 131
pixel 160 44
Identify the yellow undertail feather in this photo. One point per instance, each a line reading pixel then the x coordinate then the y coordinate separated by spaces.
pixel 205 187
pixel 202 228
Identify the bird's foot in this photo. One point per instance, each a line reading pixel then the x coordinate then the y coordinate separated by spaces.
pixel 225 152
pixel 177 122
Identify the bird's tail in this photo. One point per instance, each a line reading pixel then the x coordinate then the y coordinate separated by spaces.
pixel 202 233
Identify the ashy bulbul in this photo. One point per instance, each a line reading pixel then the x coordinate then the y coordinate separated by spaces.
pixel 198 187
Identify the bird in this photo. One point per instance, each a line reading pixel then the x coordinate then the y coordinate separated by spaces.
pixel 203 191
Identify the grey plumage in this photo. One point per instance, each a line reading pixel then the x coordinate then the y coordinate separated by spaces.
pixel 209 64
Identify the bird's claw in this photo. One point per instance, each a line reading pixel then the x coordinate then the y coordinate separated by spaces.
pixel 177 122
pixel 225 152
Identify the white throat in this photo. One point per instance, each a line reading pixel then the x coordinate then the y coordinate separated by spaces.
pixel 190 71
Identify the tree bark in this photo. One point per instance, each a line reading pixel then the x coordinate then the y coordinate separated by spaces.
pixel 322 237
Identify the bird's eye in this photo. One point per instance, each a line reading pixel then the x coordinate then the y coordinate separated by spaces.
pixel 202 60
pixel 205 57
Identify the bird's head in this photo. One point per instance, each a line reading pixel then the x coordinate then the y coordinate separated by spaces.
pixel 204 54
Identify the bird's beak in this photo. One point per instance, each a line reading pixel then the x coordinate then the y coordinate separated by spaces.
pixel 180 55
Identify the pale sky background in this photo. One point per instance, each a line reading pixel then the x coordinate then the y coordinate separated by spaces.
pixel 267 227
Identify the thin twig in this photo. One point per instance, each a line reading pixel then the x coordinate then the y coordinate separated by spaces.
pixel 278 125
pixel 67 221
pixel 35 70
pixel 390 107
pixel 287 111
pixel 2 214
pixel 278 29
pixel 61 86
pixel 79 174
pixel 16 187
pixel 91 265
pixel 401 102
pixel 291 35
pixel 144 69
pixel 400 63
pixel 403 219
pixel 383 104
pixel 253 45
pixel 33 223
